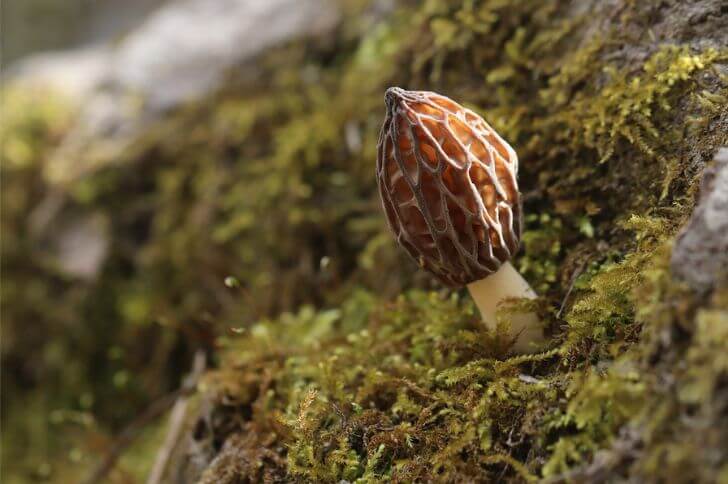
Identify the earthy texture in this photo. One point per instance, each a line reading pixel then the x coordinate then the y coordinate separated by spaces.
pixel 448 186
pixel 331 358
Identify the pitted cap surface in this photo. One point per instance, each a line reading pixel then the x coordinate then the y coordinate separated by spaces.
pixel 448 186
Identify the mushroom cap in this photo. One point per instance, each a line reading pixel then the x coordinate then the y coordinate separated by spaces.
pixel 448 186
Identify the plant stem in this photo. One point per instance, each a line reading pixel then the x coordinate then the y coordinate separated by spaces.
pixel 507 283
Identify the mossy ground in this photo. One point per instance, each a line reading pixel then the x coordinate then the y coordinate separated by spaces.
pixel 336 359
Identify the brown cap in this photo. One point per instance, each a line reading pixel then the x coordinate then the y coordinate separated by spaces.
pixel 448 185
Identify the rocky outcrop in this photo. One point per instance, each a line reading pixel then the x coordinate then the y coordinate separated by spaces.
pixel 700 255
pixel 179 54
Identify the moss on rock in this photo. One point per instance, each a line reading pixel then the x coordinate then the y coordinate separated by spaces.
pixel 419 390
pixel 336 360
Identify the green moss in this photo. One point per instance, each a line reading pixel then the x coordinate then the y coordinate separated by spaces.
pixel 334 360
pixel 28 127
pixel 421 391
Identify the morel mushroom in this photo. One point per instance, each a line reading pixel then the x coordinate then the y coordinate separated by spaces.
pixel 448 186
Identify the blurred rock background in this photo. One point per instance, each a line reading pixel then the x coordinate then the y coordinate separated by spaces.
pixel 82 81
pixel 34 26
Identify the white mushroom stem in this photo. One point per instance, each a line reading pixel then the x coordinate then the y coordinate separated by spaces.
pixel 507 283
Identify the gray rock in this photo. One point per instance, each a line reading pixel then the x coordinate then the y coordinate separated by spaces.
pixel 182 52
pixel 50 70
pixel 31 26
pixel 700 255
pixel 81 245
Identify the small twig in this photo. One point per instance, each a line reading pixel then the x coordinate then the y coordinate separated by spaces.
pixel 574 277
pixel 127 436
pixel 510 442
pixel 42 215
pixel 604 462
pixel 176 423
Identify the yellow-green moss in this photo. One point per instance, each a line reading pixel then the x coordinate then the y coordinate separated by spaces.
pixel 420 391
pixel 335 363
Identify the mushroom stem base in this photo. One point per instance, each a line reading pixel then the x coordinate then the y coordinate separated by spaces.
pixel 507 283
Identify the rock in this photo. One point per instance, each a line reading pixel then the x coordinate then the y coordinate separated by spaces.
pixel 50 70
pixel 700 255
pixel 180 53
pixel 31 26
pixel 81 245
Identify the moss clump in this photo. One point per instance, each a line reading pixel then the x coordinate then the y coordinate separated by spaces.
pixel 419 390
pixel 273 185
